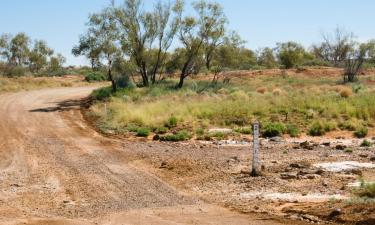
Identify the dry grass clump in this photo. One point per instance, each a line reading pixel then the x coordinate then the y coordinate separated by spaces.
pixel 346 92
pixel 261 90
pixel 277 92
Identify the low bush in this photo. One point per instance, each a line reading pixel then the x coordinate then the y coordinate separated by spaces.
pixel 95 77
pixel 366 143
pixel 317 129
pixel 366 190
pixel 143 132
pixel 102 93
pixel 292 130
pixel 274 129
pixel 346 92
pixel 14 71
pixel 244 130
pixel 172 122
pixel 179 136
pixel 161 130
pixel 361 132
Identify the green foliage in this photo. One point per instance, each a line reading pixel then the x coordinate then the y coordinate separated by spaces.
pixel 366 190
pixel 348 150
pixel 244 130
pixel 361 132
pixel 102 93
pixel 317 129
pixel 161 130
pixel 14 71
pixel 179 136
pixel 143 132
pixel 292 54
pixel 274 129
pixel 172 122
pixel 292 130
pixel 366 143
pixel 95 77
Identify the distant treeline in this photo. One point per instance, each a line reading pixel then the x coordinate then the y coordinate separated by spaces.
pixel 19 56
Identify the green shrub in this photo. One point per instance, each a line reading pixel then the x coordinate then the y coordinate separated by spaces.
pixel 329 126
pixel 124 82
pixel 361 132
pixel 350 125
pixel 274 129
pixel 172 122
pixel 218 135
pixel 14 71
pixel 199 132
pixel 317 129
pixel 292 130
pixel 365 190
pixel 102 93
pixel 143 132
pixel 161 130
pixel 348 150
pixel 366 143
pixel 244 130
pixel 132 128
pixel 95 77
pixel 180 136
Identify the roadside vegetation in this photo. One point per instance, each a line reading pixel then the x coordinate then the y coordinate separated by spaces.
pixel 287 105
pixel 153 84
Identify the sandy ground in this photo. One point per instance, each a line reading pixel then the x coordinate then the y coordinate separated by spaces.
pixel 54 169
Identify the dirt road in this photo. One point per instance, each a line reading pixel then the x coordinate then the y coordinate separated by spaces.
pixel 55 170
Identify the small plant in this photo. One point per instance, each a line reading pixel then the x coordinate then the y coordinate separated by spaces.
pixel 161 130
pixel 244 130
pixel 95 77
pixel 346 92
pixel 172 122
pixel 143 132
pixel 261 90
pixel 366 190
pixel 348 150
pixel 199 131
pixel 102 94
pixel 218 135
pixel 317 129
pixel 292 130
pixel 180 136
pixel 274 129
pixel 366 143
pixel 361 132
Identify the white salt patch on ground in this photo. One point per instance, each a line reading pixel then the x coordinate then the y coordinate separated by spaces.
pixel 344 166
pixel 292 197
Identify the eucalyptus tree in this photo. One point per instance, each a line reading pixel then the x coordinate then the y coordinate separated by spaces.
pixel 194 31
pixel 355 59
pixel 38 56
pixel 142 32
pixel 19 48
pixel 88 47
pixel 335 46
pixel 215 36
pixel 101 40
pixel 56 62
pixel 5 47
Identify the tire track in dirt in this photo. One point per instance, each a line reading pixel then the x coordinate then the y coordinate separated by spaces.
pixel 58 169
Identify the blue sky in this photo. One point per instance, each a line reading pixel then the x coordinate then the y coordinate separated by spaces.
pixel 260 22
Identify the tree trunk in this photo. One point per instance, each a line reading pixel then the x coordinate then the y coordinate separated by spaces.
pixel 181 83
pixel 114 86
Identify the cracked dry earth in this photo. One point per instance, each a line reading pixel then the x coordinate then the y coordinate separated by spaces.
pixel 56 170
